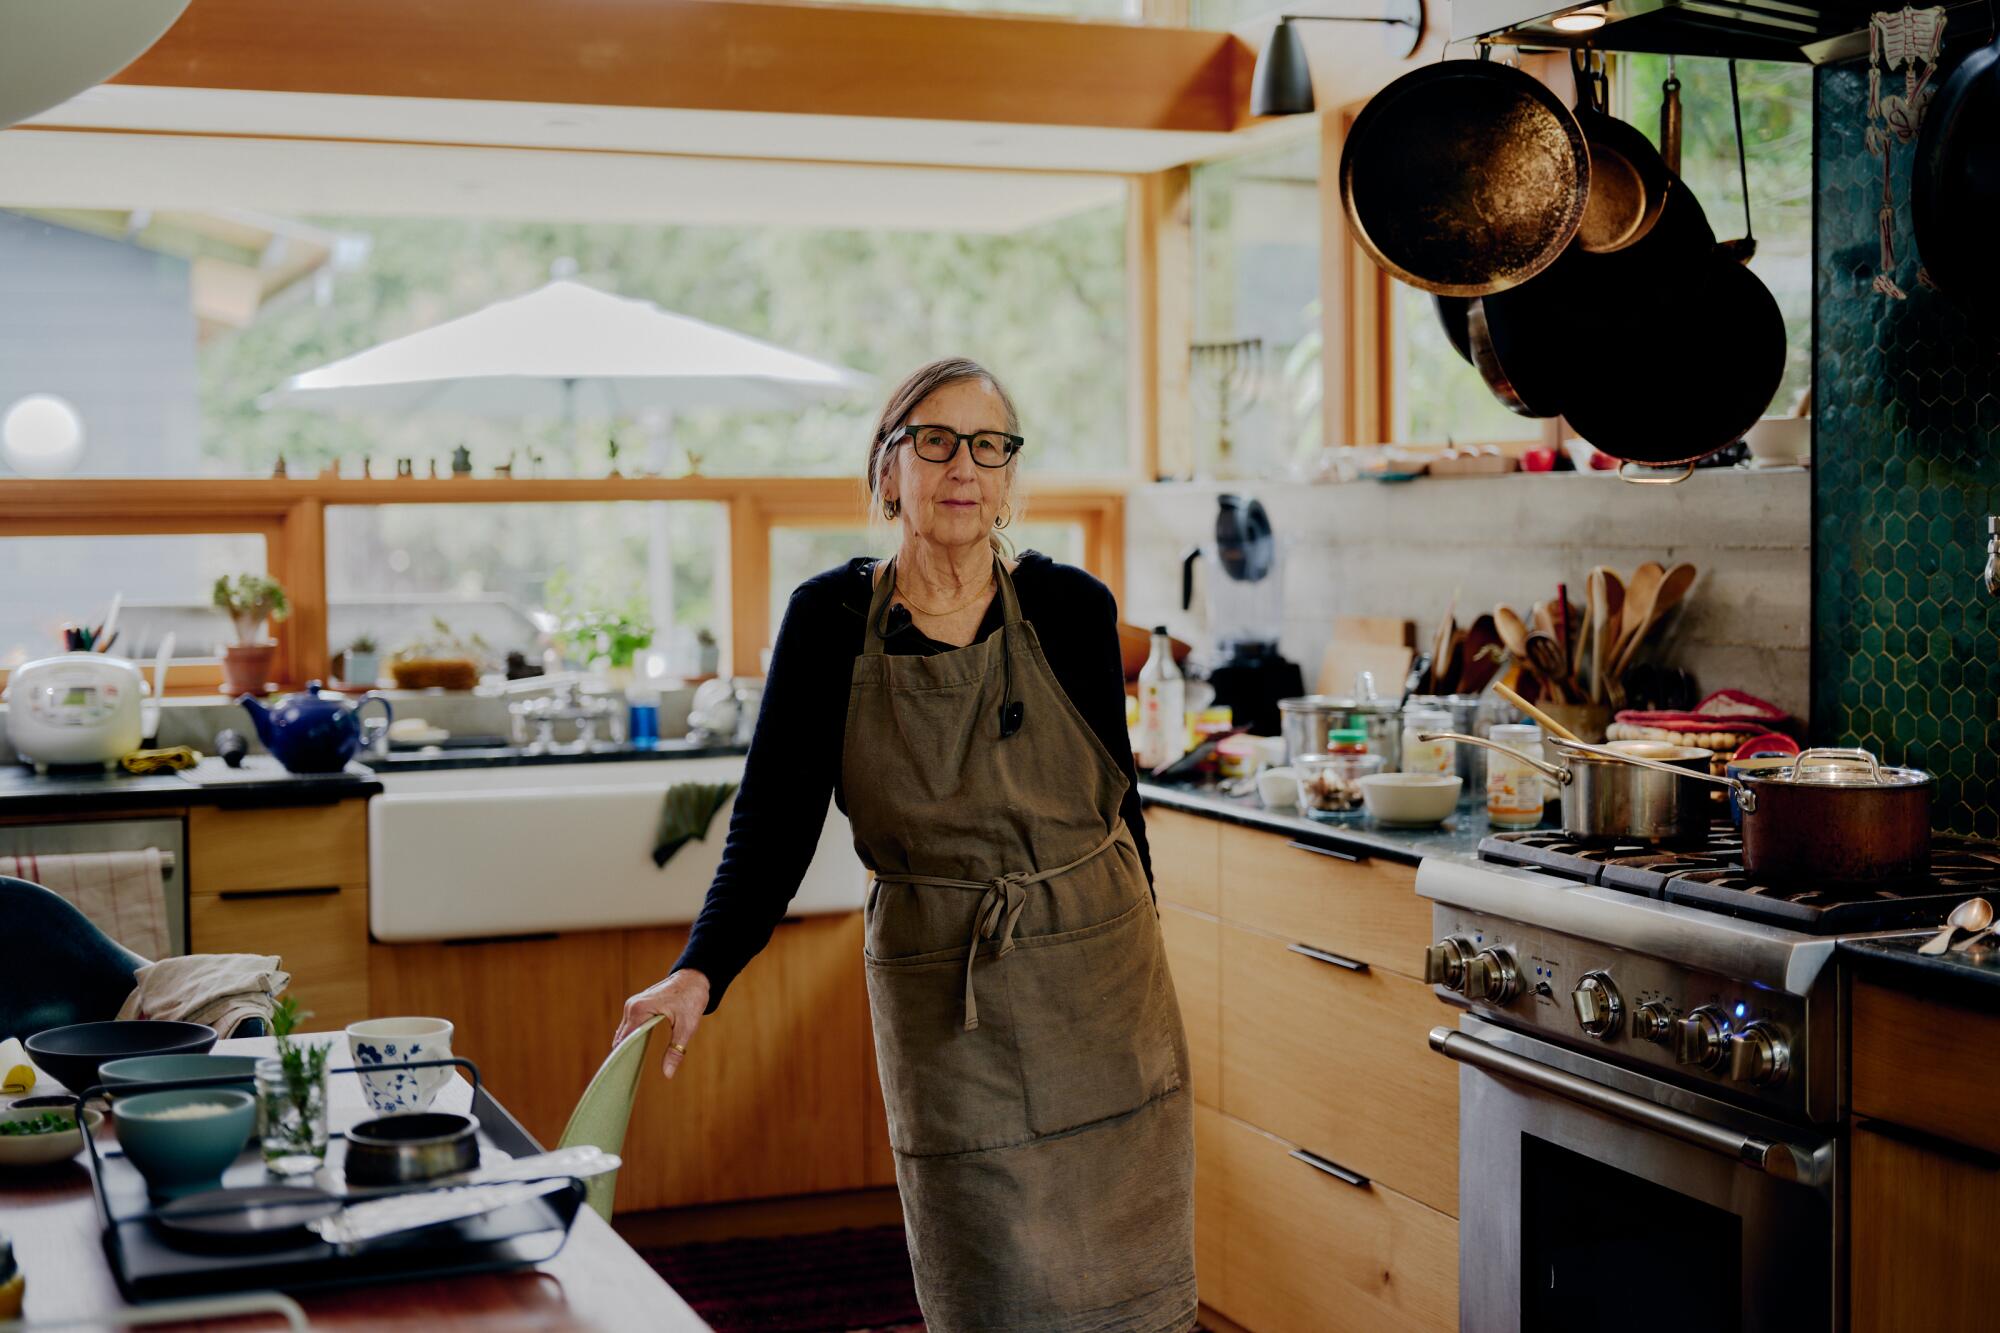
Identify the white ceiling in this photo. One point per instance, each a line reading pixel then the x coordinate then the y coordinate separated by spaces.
pixel 55 169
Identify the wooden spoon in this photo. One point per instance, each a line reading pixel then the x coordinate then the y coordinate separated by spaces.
pixel 1543 720
pixel 1609 622
pixel 1639 595
pixel 1673 587
pixel 1545 651
pixel 1512 630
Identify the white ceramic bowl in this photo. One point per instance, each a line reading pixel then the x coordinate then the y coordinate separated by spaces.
pixel 24 1150
pixel 1410 800
pixel 1278 788
pixel 1779 441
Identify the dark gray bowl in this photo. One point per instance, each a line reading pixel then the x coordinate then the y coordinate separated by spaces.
pixel 409 1148
pixel 74 1053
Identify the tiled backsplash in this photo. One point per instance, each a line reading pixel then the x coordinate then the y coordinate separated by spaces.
pixel 1907 466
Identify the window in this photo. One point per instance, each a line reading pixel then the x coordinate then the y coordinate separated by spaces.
pixel 500 571
pixel 1436 396
pixel 1257 241
pixel 165 582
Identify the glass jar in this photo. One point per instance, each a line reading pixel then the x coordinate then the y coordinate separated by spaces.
pixel 1347 740
pixel 1513 788
pixel 1330 784
pixel 291 1113
pixel 1422 756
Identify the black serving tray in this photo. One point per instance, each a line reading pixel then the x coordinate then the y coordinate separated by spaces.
pixel 149 1264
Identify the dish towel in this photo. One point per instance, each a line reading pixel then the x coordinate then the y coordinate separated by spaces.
pixel 123 893
pixel 685 813
pixel 219 989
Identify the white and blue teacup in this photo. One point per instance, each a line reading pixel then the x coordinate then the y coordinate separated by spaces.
pixel 394 1041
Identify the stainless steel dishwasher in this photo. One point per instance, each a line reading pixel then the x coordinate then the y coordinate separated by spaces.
pixel 69 837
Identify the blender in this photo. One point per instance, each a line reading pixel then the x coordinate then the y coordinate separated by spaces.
pixel 1242 593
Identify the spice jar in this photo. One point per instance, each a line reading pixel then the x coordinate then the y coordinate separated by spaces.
pixel 1514 788
pixel 1347 740
pixel 1422 756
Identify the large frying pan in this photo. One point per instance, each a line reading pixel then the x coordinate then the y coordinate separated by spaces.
pixel 1955 189
pixel 1464 178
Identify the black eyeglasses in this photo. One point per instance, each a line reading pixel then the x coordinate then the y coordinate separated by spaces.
pixel 939 444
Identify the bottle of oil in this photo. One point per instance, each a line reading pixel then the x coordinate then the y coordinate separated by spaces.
pixel 1162 706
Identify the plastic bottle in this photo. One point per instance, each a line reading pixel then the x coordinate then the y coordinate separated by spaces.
pixel 1162 705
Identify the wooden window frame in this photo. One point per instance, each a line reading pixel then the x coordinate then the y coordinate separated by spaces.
pixel 291 517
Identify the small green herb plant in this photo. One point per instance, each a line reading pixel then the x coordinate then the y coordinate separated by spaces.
pixel 588 632
pixel 251 601
pixel 294 1119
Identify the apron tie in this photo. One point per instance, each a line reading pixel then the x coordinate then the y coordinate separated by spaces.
pixel 1000 905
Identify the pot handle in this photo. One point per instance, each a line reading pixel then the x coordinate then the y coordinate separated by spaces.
pixel 1799 765
pixel 1554 772
pixel 1623 475
pixel 1746 796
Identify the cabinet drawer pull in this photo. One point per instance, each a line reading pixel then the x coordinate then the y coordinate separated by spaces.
pixel 1334 1169
pixel 1352 858
pixel 312 891
pixel 1323 956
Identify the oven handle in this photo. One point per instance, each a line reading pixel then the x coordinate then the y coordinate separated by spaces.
pixel 1775 1159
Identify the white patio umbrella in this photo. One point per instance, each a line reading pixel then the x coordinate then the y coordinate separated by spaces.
pixel 571 351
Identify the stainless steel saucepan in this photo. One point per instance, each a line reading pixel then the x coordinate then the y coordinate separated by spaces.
pixel 1611 798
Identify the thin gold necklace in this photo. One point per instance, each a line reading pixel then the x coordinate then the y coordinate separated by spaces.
pixel 935 615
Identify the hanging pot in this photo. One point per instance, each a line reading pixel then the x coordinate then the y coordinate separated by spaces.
pixel 1464 178
pixel 1955 186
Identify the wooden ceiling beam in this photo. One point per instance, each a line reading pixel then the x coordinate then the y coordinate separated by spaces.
pixel 720 55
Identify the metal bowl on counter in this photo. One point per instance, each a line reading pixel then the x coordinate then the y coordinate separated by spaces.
pixel 409 1149
pixel 1305 722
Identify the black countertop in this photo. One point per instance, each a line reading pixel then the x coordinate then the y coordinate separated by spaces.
pixel 76 791
pixel 1973 976
pixel 1356 834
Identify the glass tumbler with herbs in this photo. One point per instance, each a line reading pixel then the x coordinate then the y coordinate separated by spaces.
pixel 291 1098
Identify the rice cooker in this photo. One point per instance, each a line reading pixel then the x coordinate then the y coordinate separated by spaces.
pixel 79 708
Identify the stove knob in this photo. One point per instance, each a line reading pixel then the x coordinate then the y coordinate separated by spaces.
pixel 1444 962
pixel 1597 1006
pixel 1702 1038
pixel 1490 975
pixel 1760 1054
pixel 1653 1022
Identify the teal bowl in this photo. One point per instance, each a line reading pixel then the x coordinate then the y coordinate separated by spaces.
pixel 179 1153
pixel 240 1070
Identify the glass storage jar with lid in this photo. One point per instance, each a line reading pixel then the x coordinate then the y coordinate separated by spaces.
pixel 1422 756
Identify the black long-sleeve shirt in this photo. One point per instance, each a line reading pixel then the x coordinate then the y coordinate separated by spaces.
pixel 795 753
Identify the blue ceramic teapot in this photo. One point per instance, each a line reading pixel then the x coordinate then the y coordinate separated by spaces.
pixel 312 734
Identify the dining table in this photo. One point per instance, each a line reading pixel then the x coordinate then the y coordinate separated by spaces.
pixel 596 1281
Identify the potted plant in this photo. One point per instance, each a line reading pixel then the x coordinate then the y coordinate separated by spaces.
pixel 251 602
pixel 363 665
pixel 709 652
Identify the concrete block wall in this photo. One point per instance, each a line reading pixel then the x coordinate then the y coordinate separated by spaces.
pixel 1368 548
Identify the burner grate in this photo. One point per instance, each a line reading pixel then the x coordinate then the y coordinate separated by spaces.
pixel 1712 877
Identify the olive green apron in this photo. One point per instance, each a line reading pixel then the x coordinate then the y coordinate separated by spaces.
pixel 1031 1050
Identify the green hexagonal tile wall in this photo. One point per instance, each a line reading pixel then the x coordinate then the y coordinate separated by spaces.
pixel 1907 466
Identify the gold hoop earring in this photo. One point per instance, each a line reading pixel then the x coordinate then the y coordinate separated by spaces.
pixel 891 508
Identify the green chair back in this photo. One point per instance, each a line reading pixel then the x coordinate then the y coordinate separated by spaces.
pixel 605 1109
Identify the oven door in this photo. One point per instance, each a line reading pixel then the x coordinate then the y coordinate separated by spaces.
pixel 1592 1197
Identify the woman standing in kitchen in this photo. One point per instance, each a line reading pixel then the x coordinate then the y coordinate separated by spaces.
pixel 967 712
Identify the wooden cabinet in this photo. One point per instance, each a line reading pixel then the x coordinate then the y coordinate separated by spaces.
pixel 1367 909
pixel 319 933
pixel 1304 1250
pixel 1185 851
pixel 1193 944
pixel 1921 1237
pixel 774 1097
pixel 1925 1156
pixel 1335 1060
pixel 290 881
pixel 536 1015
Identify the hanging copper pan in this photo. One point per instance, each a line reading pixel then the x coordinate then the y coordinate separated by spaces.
pixel 1464 178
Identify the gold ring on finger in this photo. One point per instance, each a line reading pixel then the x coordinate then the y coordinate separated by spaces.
pixel 676 1046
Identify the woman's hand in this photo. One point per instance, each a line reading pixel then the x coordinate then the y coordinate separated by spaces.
pixel 681 998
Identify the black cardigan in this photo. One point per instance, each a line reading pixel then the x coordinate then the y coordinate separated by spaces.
pixel 795 754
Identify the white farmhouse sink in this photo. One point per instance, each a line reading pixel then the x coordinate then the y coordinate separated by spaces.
pixel 471 853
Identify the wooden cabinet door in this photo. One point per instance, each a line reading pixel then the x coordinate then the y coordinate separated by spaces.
pixel 1368 910
pixel 1306 1252
pixel 287 847
pixel 1921 1236
pixel 774 1096
pixel 536 1015
pixel 1193 943
pixel 1336 1060
pixel 1910 1065
pixel 318 932
pixel 1185 851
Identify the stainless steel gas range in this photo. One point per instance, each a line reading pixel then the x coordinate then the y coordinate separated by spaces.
pixel 1650 1092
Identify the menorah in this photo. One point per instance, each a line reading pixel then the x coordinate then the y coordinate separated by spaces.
pixel 1228 378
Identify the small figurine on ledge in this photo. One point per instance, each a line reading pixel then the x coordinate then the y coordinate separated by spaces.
pixel 434 469
pixel 611 445
pixel 406 467
pixel 461 462
pixel 278 473
pixel 505 471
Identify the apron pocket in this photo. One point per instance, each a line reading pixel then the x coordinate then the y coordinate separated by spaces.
pixel 946 1090
pixel 1096 1025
